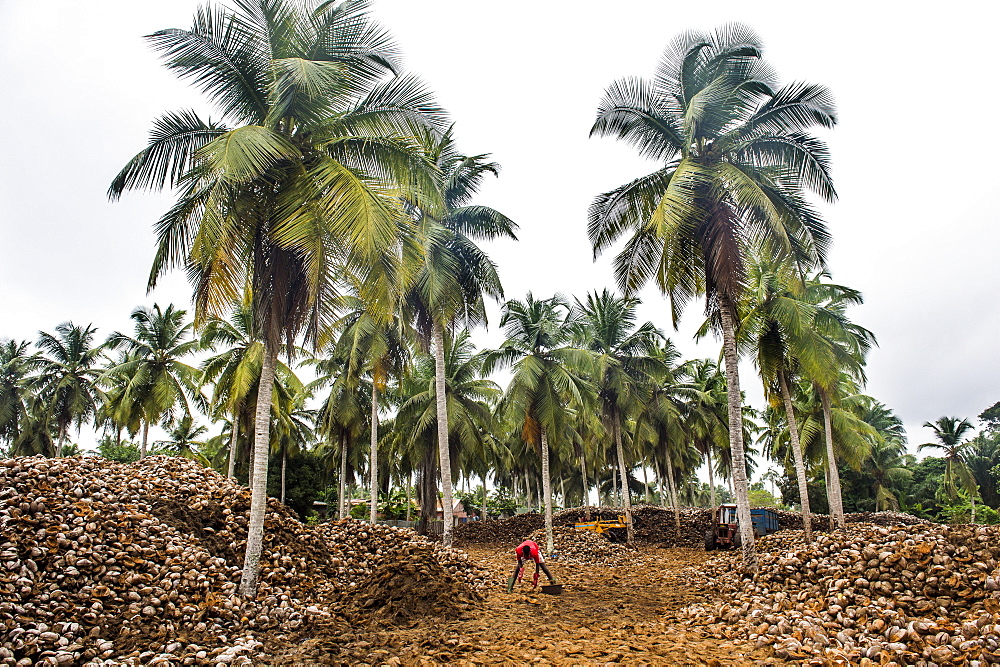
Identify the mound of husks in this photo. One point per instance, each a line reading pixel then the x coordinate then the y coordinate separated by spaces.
pixel 653 525
pixel 582 547
pixel 100 560
pixel 867 595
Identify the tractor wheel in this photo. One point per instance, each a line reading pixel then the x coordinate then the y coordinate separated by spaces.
pixel 709 540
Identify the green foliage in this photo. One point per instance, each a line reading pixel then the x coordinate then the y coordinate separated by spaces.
pixel 304 479
pixel 125 452
pixel 501 502
pixel 761 497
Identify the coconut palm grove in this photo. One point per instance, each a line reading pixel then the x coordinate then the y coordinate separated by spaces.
pixel 315 461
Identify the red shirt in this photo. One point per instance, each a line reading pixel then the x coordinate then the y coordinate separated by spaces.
pixel 535 556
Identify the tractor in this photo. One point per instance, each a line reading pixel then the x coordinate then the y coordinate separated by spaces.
pixel 725 526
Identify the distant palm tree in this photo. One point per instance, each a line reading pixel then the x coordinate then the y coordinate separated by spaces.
pixel 950 432
pixel 157 382
pixel 183 439
pixel 66 385
pixel 548 375
pixel 626 369
pixel 887 466
pixel 16 368
pixel 736 162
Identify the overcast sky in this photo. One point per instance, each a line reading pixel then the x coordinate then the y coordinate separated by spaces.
pixel 914 159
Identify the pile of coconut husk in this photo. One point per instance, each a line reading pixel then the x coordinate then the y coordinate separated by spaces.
pixel 411 585
pixel 869 594
pixel 101 560
pixel 498 531
pixel 582 547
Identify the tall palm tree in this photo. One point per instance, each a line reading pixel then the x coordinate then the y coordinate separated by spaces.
pixel 66 385
pixel 456 274
pixel 469 399
pixel 625 366
pixel 778 323
pixel 736 159
pixel 950 433
pixel 157 382
pixel 301 176
pixel 547 375
pixel 842 352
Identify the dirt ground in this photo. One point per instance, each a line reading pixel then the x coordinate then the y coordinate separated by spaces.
pixel 605 615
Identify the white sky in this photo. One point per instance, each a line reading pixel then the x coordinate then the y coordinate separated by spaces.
pixel 913 158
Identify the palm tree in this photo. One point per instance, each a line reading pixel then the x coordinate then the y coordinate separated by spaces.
pixel 343 415
pixel 67 391
pixel 373 343
pixel 156 381
pixel 737 158
pixel 950 432
pixel 183 439
pixel 469 399
pixel 778 324
pixel 455 274
pixel 302 175
pixel 887 466
pixel 626 369
pixel 16 368
pixel 548 374
pixel 842 355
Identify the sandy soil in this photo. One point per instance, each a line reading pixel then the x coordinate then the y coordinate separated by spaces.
pixel 628 615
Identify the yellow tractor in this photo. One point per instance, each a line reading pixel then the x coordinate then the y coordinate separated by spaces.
pixel 613 530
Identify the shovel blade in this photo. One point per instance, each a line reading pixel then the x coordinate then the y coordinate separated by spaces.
pixel 552 589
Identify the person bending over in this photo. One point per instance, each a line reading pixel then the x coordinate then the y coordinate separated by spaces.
pixel 526 551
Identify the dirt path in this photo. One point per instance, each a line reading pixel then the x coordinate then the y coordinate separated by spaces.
pixel 605 615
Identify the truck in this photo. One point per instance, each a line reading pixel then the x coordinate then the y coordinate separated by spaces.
pixel 725 532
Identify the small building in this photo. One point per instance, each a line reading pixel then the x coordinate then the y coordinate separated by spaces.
pixel 458 512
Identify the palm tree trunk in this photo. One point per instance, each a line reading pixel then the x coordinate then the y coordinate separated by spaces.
pixel 284 462
pixel 833 475
pixel 659 482
pixel 547 491
pixel 62 438
pixel 614 487
pixel 711 476
pixel 626 493
pixel 341 499
pixel 258 476
pixel 409 483
pixel 145 440
pixel 444 453
pixel 739 466
pixel 673 495
pixel 583 476
pixel 645 483
pixel 373 457
pixel 562 491
pixel 972 499
pixel 231 469
pixel 800 468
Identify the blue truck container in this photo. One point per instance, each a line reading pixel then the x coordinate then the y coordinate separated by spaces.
pixel 765 521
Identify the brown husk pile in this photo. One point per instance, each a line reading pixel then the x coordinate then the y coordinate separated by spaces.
pixel 654 525
pixel 581 547
pixel 866 595
pixel 133 562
